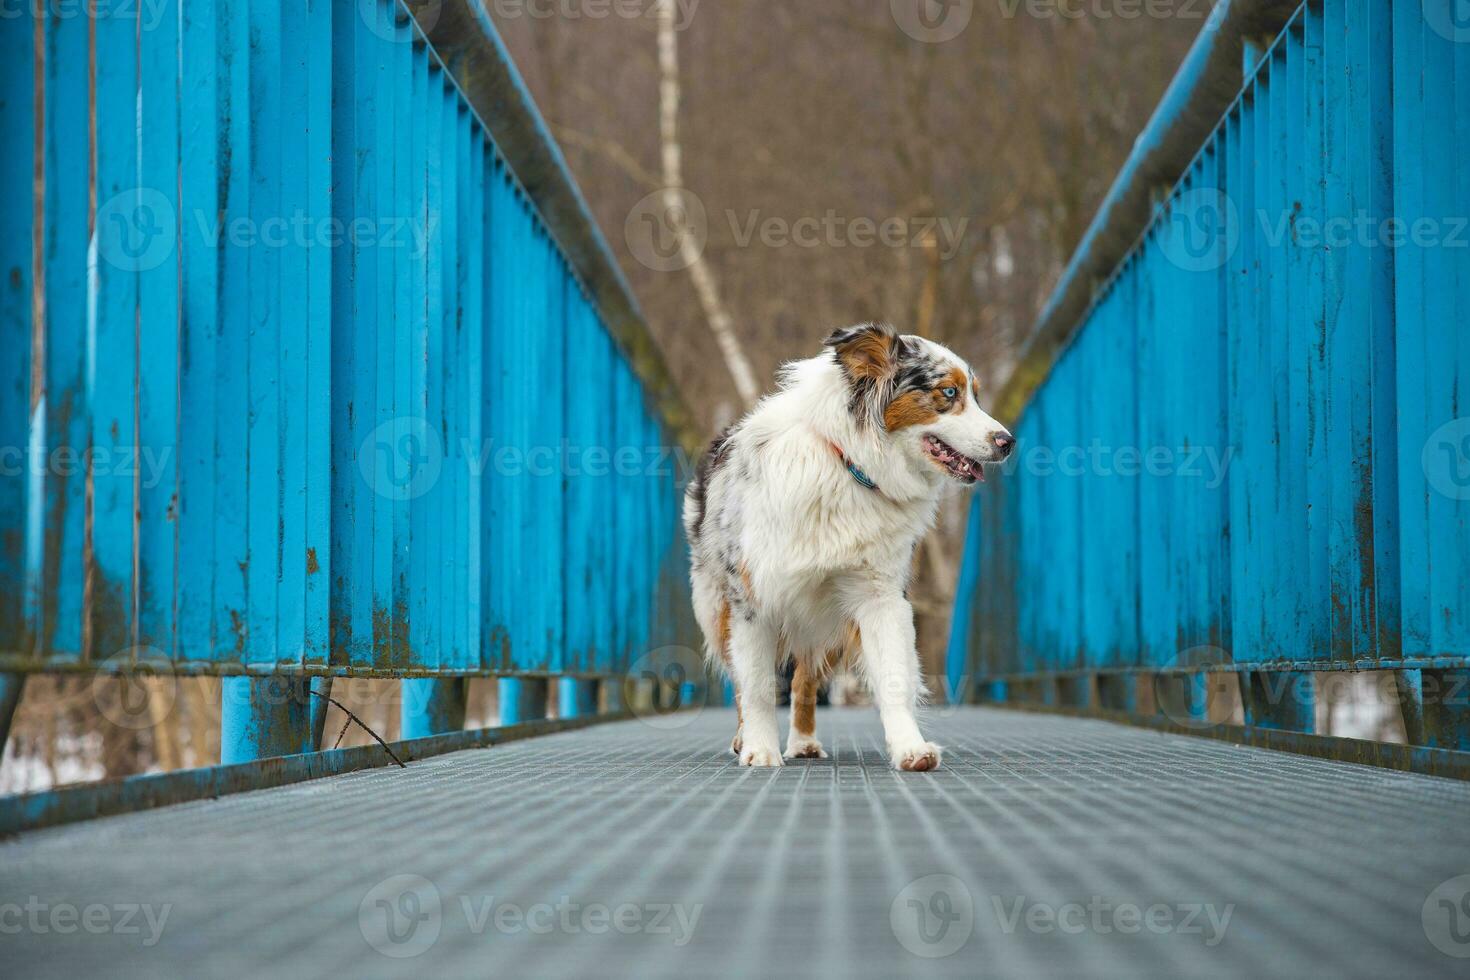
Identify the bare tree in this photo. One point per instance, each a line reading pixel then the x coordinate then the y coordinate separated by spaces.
pixel 720 322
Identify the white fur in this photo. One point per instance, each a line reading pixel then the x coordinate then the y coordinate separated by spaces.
pixel 800 549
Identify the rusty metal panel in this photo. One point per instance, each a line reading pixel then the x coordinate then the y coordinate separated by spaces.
pixel 17 225
pixel 1294 308
pixel 328 353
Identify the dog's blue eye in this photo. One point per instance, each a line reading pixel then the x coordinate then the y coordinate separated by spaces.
pixel 949 392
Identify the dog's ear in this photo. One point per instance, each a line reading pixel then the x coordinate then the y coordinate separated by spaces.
pixel 868 351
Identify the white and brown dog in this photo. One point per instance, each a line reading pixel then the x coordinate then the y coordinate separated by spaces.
pixel 802 521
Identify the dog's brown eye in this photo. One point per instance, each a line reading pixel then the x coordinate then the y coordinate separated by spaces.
pixel 949 392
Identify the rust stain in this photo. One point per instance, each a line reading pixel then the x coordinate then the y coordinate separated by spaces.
pixel 311 563
pixel 339 631
pixel 382 637
pixel 237 627
pixel 38 221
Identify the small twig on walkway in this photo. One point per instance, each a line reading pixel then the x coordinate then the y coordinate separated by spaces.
pixel 360 724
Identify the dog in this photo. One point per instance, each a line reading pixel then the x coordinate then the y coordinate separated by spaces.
pixel 802 520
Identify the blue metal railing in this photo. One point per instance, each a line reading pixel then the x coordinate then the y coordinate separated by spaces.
pixel 316 365
pixel 1252 455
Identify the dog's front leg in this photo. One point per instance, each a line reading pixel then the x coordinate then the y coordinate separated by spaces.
pixel 753 657
pixel 891 661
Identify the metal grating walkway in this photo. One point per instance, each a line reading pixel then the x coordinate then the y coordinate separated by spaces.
pixel 1046 846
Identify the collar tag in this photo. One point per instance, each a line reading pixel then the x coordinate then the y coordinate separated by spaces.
pixel 852 468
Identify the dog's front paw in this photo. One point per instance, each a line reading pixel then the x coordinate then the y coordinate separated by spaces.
pixel 736 742
pixel 752 756
pixel 804 747
pixel 917 758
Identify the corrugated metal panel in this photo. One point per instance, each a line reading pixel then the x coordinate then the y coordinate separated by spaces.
pixel 339 382
pixel 1280 355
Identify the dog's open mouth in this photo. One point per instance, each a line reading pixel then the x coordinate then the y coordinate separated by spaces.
pixel 960 466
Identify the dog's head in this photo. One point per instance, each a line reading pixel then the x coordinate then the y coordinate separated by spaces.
pixel 921 397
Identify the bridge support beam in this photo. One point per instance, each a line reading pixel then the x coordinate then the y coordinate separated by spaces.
pixel 522 699
pixel 264 717
pixel 1184 697
pixel 1117 692
pixel 1074 692
pixel 613 695
pixel 11 686
pixel 321 688
pixel 1409 684
pixel 1445 700
pixel 432 706
pixel 576 698
pixel 1281 699
pixel 690 693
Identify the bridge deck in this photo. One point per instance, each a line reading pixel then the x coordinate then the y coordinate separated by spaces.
pixel 1321 867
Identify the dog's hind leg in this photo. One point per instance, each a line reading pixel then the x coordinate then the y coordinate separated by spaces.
pixel 801 741
pixel 721 645
pixel 753 655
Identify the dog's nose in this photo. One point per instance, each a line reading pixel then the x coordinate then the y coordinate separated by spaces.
pixel 1004 443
